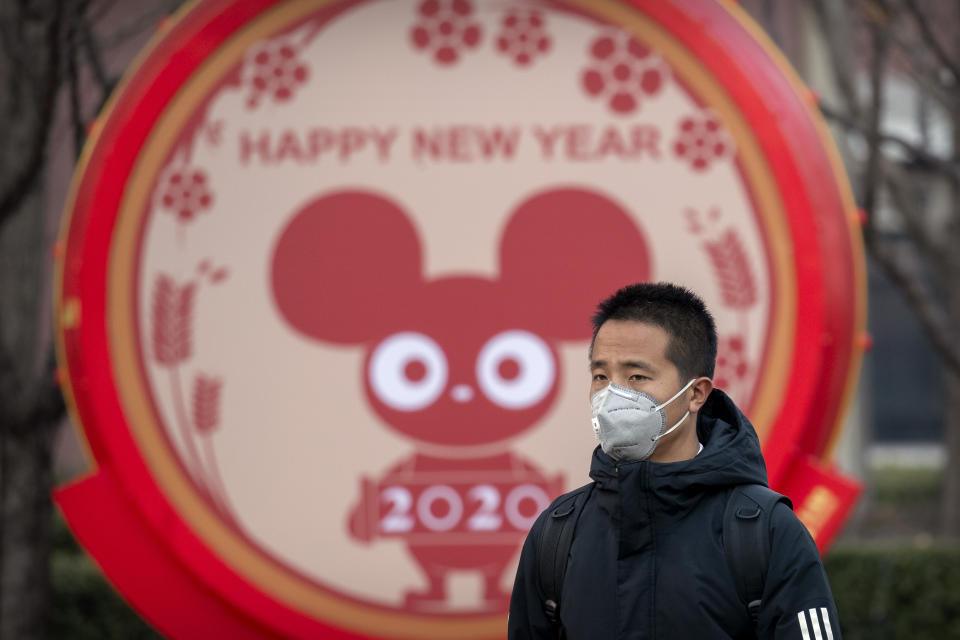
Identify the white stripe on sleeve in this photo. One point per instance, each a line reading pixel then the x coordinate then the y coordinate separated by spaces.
pixel 815 623
pixel 826 622
pixel 803 625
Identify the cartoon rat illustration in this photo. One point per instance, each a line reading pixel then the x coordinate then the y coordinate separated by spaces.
pixel 460 365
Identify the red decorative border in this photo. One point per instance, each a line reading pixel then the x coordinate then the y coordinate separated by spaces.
pixel 121 515
pixel 133 532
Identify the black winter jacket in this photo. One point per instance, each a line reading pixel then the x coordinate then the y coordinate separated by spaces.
pixel 647 558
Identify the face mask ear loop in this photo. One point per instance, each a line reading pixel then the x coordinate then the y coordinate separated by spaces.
pixel 676 395
pixel 679 422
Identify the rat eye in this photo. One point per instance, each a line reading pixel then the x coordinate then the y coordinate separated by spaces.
pixel 408 371
pixel 515 369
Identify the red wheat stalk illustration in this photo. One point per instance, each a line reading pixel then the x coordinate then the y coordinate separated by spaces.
pixel 216 490
pixel 206 403
pixel 172 311
pixel 206 418
pixel 737 285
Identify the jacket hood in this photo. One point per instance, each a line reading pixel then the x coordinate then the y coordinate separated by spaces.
pixel 731 456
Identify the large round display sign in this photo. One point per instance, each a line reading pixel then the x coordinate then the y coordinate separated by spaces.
pixel 327 277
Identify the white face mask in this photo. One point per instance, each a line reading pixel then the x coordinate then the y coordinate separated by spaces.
pixel 629 423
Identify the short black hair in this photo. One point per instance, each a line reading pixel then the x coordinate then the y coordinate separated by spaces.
pixel 676 310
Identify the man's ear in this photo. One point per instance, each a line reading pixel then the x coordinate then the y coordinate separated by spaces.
pixel 701 391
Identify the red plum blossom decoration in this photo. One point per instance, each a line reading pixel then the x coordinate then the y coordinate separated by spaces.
pixel 445 29
pixel 623 72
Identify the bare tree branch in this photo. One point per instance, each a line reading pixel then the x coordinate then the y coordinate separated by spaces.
pixel 26 172
pixel 93 56
pixel 77 121
pixel 828 16
pixel 97 10
pixel 9 39
pixel 922 70
pixel 912 217
pixel 48 405
pixel 931 86
pixel 909 279
pixel 879 42
pixel 931 40
pixel 10 385
pixel 92 52
pixel 945 167
pixel 900 260
pixel 146 22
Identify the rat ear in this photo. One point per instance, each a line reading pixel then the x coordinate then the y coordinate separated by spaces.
pixel 562 252
pixel 345 266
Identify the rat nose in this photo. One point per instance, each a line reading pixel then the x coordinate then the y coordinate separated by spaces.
pixel 462 393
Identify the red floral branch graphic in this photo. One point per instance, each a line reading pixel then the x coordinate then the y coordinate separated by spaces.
pixel 445 29
pixel 206 403
pixel 523 36
pixel 702 140
pixel 738 290
pixel 276 69
pixel 172 309
pixel 725 249
pixel 184 191
pixel 732 363
pixel 623 72
pixel 206 418
pixel 172 315
pixel 737 285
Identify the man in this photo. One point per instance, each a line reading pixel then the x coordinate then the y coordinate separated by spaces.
pixel 647 557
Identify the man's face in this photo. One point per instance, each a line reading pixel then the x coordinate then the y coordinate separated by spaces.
pixel 633 354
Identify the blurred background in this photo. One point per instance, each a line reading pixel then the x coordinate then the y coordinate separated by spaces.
pixel 885 74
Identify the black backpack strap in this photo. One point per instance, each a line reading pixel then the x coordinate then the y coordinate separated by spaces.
pixel 553 547
pixel 746 540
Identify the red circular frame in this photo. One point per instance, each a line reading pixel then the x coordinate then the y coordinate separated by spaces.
pixel 121 514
